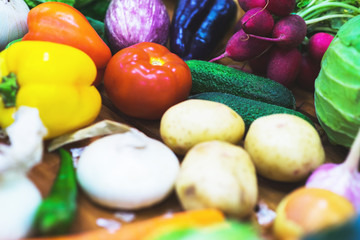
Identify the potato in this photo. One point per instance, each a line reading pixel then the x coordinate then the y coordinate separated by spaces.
pixel 284 147
pixel 193 121
pixel 218 174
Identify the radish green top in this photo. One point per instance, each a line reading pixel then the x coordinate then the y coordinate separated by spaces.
pixel 326 15
pixel 337 87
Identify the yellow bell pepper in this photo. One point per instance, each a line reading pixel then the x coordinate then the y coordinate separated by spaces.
pixel 54 78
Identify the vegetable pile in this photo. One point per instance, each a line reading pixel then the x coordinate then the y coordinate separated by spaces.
pixel 216 133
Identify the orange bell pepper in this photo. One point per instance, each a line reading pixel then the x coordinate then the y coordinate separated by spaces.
pixel 61 23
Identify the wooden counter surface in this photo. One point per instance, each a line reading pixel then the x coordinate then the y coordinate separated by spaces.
pixel 269 192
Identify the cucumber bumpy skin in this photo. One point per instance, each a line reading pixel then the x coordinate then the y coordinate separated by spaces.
pixel 248 109
pixel 214 77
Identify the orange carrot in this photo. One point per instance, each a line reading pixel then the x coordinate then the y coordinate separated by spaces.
pixel 145 229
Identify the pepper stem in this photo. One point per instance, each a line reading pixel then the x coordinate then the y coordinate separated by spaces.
pixel 9 89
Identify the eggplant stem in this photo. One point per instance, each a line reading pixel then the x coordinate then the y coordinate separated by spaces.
pixel 352 160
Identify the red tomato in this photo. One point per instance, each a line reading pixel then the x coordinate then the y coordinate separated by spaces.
pixel 146 79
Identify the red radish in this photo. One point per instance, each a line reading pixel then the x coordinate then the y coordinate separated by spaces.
pixel 309 70
pixel 288 32
pixel 284 65
pixel 237 26
pixel 281 8
pixel 246 5
pixel 242 47
pixel 259 64
pixel 257 21
pixel 318 44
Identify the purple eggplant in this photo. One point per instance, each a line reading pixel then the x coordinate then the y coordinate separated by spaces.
pixel 128 22
pixel 199 26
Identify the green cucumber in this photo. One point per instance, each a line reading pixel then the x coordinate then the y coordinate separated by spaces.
pixel 214 77
pixel 248 109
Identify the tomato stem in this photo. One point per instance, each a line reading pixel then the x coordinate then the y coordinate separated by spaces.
pixel 156 62
pixel 8 90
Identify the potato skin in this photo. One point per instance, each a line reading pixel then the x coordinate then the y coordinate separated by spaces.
pixel 284 147
pixel 217 174
pixel 193 121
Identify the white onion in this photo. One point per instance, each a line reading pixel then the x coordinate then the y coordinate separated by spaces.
pixel 127 171
pixel 13 20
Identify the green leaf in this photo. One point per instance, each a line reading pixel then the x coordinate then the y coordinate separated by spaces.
pixel 82 3
pixel 302 3
pixel 96 10
pixel 34 3
pixel 349 33
pixel 326 16
pixel 99 28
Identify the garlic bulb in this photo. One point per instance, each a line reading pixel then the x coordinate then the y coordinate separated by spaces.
pixel 343 179
pixel 13 20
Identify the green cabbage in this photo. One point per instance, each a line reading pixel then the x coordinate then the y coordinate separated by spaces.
pixel 337 87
